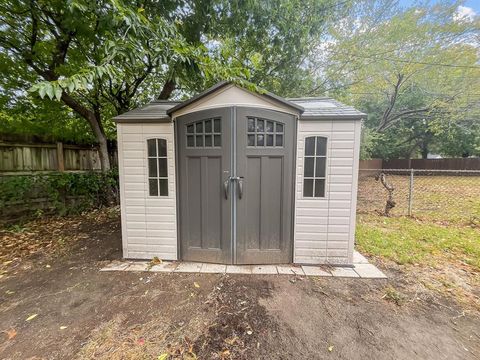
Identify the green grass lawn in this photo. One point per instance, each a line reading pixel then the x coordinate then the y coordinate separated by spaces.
pixel 409 241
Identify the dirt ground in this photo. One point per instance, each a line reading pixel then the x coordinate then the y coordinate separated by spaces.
pixel 81 313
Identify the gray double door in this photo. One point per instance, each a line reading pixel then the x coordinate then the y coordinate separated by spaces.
pixel 235 170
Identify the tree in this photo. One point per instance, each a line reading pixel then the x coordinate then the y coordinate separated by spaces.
pixel 409 69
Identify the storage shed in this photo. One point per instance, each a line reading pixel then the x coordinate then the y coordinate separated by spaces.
pixel 235 177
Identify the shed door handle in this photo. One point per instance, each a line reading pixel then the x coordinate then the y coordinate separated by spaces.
pixel 226 185
pixel 240 186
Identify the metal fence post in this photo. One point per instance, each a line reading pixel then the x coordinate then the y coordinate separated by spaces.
pixel 410 193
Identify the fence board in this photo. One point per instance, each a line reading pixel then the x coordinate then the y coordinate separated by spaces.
pixel 18 157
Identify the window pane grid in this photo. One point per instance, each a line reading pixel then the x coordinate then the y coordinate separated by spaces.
pixel 264 133
pixel 157 167
pixel 204 133
pixel 315 162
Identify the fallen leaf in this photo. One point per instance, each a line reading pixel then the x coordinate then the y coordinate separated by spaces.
pixel 141 341
pixel 231 341
pixel 330 348
pixel 163 357
pixel 196 284
pixel 156 261
pixel 11 334
pixel 8 262
pixel 31 317
pixel 63 327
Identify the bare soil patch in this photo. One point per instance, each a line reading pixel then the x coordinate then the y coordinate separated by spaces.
pixel 82 313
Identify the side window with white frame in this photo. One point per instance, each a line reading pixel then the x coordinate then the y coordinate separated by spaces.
pixel 157 167
pixel 315 164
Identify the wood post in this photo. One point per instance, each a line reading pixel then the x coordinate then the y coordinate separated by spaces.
pixel 61 162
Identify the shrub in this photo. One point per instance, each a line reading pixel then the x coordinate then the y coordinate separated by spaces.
pixel 57 192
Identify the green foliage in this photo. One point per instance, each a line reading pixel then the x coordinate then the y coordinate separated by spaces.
pixel 64 192
pixel 105 57
pixel 414 71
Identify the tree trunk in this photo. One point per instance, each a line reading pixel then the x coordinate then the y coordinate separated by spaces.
pixel 103 153
pixel 424 151
pixel 94 119
pixel 167 90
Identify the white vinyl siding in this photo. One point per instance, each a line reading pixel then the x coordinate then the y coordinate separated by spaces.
pixel 324 227
pixel 148 222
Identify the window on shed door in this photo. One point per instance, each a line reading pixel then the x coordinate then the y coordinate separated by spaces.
pixel 157 167
pixel 315 164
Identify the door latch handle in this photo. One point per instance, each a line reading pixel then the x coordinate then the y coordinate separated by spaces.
pixel 240 186
pixel 226 185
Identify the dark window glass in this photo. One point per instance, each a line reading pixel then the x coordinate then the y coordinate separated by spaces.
pixel 308 172
pixel 269 139
pixel 270 126
pixel 279 140
pixel 309 146
pixel 315 166
pixel 260 140
pixel 190 129
pixel 208 126
pixel 157 166
pixel 152 147
pixel 162 167
pixel 217 141
pixel 208 140
pixel 261 132
pixel 190 141
pixel 199 127
pixel 152 167
pixel 320 167
pixel 321 146
pixel 162 147
pixel 153 187
pixel 308 187
pixel 163 187
pixel 260 125
pixel 251 125
pixel 199 141
pixel 319 187
pixel 216 125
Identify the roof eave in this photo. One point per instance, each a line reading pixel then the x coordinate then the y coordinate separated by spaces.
pixel 334 117
pixel 132 119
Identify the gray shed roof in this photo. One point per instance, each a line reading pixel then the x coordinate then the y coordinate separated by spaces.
pixel 154 111
pixel 325 107
pixel 310 108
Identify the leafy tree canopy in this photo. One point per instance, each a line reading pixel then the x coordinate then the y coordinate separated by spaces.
pixel 415 71
pixel 104 57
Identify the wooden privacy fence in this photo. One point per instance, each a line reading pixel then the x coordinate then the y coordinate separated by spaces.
pixel 433 164
pixel 23 158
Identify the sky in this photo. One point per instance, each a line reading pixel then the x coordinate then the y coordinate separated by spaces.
pixel 469 7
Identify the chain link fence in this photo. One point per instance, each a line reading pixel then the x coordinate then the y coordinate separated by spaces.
pixel 436 195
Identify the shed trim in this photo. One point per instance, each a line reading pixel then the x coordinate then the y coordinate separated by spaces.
pixel 222 84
